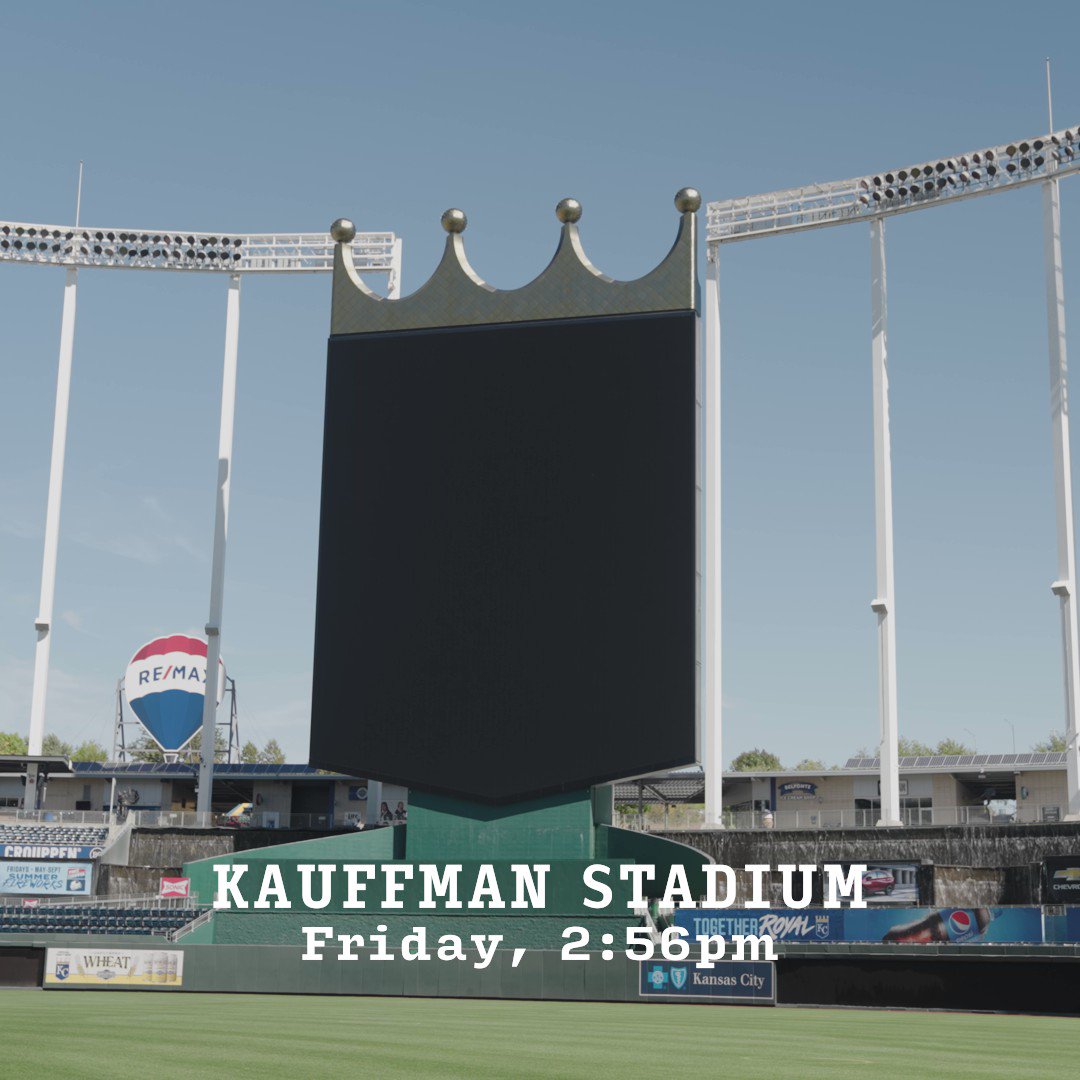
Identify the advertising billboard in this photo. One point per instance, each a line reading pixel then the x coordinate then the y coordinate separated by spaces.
pixel 1061 879
pixel 507 555
pixel 781 924
pixel 886 881
pixel 891 883
pixel 730 981
pixel 869 924
pixel 72 852
pixel 164 686
pixel 944 925
pixel 113 968
pixel 175 886
pixel 46 878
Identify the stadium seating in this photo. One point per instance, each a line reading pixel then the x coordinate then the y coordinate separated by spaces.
pixel 90 919
pixel 76 835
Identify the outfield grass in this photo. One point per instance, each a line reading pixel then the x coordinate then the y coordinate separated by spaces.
pixel 137 1035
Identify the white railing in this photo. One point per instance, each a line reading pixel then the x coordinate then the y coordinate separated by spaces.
pixel 682 817
pixel 199 920
pixel 192 819
pixel 56 817
pixel 117 903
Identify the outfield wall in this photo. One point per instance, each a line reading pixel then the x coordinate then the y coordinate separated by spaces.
pixel 1039 980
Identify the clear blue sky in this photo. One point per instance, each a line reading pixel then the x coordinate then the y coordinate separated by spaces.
pixel 263 116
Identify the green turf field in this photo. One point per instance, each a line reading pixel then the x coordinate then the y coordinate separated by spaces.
pixel 70 1033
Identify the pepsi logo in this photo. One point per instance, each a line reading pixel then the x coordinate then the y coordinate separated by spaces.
pixel 960 922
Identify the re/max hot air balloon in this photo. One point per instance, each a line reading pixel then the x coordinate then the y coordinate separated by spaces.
pixel 164 685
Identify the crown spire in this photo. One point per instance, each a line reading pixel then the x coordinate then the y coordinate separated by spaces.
pixel 569 287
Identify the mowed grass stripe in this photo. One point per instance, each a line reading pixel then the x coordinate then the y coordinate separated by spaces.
pixel 128 1034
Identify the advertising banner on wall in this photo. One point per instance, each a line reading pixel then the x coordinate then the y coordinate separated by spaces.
pixel 175 886
pixel 944 925
pixel 781 924
pixel 163 968
pixel 890 883
pixel 1072 924
pixel 1061 879
pixel 46 878
pixel 906 925
pixel 71 852
pixel 883 882
pixel 728 981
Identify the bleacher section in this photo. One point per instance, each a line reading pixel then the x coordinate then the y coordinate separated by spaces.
pixel 70 835
pixel 89 919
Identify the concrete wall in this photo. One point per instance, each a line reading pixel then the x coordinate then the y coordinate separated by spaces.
pixel 1045 789
pixel 1008 850
pixel 344 807
pixel 272 796
pixel 174 847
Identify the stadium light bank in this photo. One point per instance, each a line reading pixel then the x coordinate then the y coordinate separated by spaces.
pixel 231 255
pixel 871 199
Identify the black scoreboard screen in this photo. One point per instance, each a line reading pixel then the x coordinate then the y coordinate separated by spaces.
pixel 507 558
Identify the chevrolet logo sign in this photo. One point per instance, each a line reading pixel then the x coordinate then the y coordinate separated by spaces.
pixel 1072 873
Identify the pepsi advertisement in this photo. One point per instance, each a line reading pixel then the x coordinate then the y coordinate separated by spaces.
pixel 946 926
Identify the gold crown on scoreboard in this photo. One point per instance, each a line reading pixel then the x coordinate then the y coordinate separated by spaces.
pixel 570 287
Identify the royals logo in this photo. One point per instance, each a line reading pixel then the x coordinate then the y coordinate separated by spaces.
pixel 63 970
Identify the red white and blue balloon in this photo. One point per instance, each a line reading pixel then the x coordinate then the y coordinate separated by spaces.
pixel 164 685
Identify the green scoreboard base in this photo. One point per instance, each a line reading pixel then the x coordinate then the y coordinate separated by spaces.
pixel 567 832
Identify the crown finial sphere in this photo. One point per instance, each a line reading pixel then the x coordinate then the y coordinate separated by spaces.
pixel 343 230
pixel 454 221
pixel 688 200
pixel 568 211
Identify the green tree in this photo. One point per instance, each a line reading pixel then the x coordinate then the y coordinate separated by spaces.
pixel 249 753
pixel 912 748
pixel 1054 744
pixel 756 761
pixel 272 754
pixel 952 746
pixel 10 743
pixel 89 751
pixel 811 765
pixel 145 750
pixel 54 745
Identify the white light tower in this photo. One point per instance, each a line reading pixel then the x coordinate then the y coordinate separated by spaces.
pixel 712 734
pixel 871 199
pixel 233 255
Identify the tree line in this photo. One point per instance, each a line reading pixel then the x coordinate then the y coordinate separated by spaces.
pixel 144 749
pixel 761 760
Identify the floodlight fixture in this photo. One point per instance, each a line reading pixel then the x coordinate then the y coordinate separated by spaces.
pixel 146 249
pixel 866 198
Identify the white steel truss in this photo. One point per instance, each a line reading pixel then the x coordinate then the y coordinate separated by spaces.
pixel 896 191
pixel 200 252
